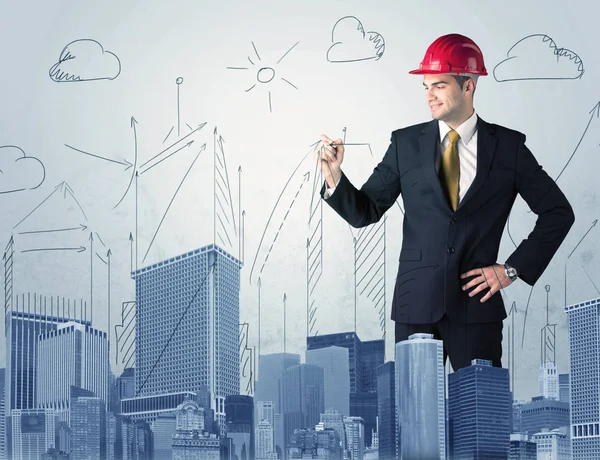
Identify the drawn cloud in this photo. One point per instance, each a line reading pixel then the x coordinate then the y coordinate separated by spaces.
pixel 85 60
pixel 536 57
pixel 19 172
pixel 351 43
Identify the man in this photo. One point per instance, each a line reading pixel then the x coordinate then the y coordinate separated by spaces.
pixel 458 176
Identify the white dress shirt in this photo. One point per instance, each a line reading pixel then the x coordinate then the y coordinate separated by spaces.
pixel 467 153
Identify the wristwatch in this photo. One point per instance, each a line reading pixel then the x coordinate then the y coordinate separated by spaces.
pixel 511 272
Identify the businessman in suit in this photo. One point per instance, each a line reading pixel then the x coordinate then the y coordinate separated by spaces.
pixel 458 176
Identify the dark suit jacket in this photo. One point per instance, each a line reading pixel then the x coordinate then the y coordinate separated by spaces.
pixel 439 244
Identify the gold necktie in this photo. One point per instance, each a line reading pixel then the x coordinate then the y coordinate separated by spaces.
pixel 451 168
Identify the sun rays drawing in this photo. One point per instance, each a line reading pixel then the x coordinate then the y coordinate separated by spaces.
pixel 264 74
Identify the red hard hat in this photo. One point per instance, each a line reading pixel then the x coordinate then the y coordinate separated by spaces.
pixel 452 53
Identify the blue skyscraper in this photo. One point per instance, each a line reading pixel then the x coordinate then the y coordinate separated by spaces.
pixel 420 398
pixel 584 376
pixel 386 410
pixel 187 326
pixel 479 411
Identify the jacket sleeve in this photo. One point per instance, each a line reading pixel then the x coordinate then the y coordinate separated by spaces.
pixel 555 217
pixel 366 206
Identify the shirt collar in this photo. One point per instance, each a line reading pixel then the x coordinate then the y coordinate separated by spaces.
pixel 465 130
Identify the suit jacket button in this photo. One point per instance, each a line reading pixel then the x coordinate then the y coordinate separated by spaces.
pixel 450 250
pixel 453 220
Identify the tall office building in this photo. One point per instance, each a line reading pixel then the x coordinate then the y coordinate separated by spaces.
pixel 563 387
pixel 386 411
pixel 27 318
pixel 269 386
pixel 33 433
pixel 347 340
pixel 303 401
pixel 187 326
pixel 239 413
pixel 336 374
pixel 584 376
pixel 88 429
pixel 363 360
pixel 71 355
pixel 548 380
pixel 479 427
pixel 420 398
pixel 373 356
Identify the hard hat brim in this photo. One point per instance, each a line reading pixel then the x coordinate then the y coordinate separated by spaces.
pixel 437 72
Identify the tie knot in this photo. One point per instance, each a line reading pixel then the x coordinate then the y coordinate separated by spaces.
pixel 453 136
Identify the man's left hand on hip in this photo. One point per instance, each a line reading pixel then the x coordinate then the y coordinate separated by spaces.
pixel 492 277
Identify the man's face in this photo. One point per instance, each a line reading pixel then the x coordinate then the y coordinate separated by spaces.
pixel 444 96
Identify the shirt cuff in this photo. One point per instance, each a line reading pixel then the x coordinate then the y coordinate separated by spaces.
pixel 328 192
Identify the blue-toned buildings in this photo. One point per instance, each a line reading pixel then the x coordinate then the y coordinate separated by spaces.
pixel 479 411
pixel 420 398
pixel 584 378
pixel 187 326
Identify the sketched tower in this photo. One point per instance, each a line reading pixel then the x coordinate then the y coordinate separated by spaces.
pixel 187 326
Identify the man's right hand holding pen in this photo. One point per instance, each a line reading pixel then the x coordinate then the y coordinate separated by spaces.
pixel 330 154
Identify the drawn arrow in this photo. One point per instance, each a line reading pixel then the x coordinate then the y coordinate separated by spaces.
pixel 134 123
pixel 91 275
pixel 259 325
pixel 594 112
pixel 79 249
pixel 131 250
pixel 108 254
pixel 277 203
pixel 81 227
pixel 136 221
pixel 168 156
pixel 284 309
pixel 243 232
pixel 63 187
pixel 124 162
pixel 305 179
pixel 588 231
pixel 170 203
pixel 512 312
pixel 240 210
pixel 173 145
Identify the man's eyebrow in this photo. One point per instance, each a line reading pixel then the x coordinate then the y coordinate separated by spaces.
pixel 436 82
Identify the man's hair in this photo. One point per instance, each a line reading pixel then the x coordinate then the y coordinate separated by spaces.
pixel 462 79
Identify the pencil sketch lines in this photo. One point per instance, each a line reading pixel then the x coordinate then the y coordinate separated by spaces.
pixel 134 123
pixel 68 196
pixel 224 226
pixel 125 335
pixel 314 253
pixel 369 263
pixel 178 82
pixel 246 359
pixel 279 213
pixel 537 57
pixel 171 202
pixel 8 259
pixel 351 43
pixel 85 60
pixel 19 172
pixel 266 74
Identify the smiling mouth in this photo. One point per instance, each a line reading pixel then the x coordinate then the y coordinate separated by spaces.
pixel 435 106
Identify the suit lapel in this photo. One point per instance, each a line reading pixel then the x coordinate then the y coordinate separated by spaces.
pixel 486 148
pixel 428 149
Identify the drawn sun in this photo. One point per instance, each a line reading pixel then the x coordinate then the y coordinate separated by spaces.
pixel 265 74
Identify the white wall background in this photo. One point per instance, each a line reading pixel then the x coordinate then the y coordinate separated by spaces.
pixel 156 42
